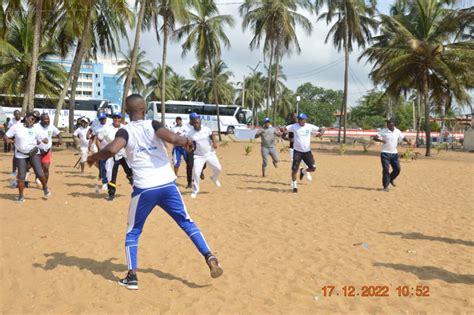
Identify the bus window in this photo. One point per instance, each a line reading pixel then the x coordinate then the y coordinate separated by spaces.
pixel 209 110
pixel 227 111
pixel 241 117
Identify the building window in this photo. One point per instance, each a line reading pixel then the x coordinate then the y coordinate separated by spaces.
pixel 96 75
pixel 98 93
pixel 98 84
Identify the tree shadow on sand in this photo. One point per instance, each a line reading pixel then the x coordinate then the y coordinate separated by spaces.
pixel 92 195
pixel 105 268
pixel 81 185
pixel 420 236
pixel 359 188
pixel 430 273
pixel 266 182
pixel 265 189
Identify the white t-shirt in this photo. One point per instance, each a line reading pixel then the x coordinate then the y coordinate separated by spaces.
pixel 179 130
pixel 49 132
pixel 392 139
pixel 81 133
pixel 107 135
pixel 96 129
pixel 147 155
pixel 302 136
pixel 13 122
pixel 25 139
pixel 201 140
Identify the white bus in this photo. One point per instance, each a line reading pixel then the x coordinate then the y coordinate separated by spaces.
pixel 87 108
pixel 231 116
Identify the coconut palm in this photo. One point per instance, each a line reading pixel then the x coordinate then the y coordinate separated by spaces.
pixel 138 73
pixel 171 11
pixel 197 87
pixel 177 87
pixel 153 87
pixel 353 24
pixel 274 23
pixel 205 31
pixel 418 49
pixel 221 90
pixel 15 60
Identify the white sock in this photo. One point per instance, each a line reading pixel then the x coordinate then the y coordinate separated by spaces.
pixel 294 184
pixel 303 171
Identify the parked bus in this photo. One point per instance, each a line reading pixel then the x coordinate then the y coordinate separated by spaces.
pixel 231 116
pixel 87 108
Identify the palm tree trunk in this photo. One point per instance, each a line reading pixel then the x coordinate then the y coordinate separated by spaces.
pixel 427 115
pixel 72 100
pixel 214 94
pixel 418 118
pixel 133 63
pixel 346 77
pixel 76 64
pixel 29 95
pixel 275 97
pixel 269 78
pixel 163 71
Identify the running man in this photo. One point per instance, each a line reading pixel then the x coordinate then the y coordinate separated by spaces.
pixel 15 120
pixel 179 151
pixel 100 144
pixel 290 137
pixel 390 137
pixel 27 137
pixel 81 139
pixel 45 148
pixel 268 134
pixel 154 183
pixel 106 136
pixel 302 148
pixel 202 138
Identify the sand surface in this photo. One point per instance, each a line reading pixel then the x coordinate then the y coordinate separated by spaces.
pixel 278 249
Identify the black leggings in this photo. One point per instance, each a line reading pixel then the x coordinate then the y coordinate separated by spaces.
pixel 22 164
pixel 111 185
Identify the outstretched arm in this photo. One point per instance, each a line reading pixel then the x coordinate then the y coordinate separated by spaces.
pixel 171 137
pixel 110 150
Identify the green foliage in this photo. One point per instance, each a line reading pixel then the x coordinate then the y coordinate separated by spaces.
pixel 409 154
pixel 441 146
pixel 248 149
pixel 319 103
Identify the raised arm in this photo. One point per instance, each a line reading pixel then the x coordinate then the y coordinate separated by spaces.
pixel 171 137
pixel 111 149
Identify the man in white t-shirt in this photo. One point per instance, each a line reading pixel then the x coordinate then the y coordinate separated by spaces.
pixel 45 148
pixel 178 151
pixel 204 145
pixel 100 144
pixel 302 148
pixel 106 135
pixel 15 120
pixel 81 138
pixel 27 139
pixel 390 137
pixel 154 183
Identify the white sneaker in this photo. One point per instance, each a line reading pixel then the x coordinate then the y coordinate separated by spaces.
pixel 193 195
pixel 308 177
pixel 217 182
pixel 104 187
pixel 38 182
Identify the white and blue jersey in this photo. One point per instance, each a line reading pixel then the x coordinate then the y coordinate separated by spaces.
pixel 179 151
pixel 154 185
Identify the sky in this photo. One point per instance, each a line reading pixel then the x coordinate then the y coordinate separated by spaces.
pixel 318 63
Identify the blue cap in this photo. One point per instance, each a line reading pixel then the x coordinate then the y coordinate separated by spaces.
pixel 117 114
pixel 302 116
pixel 193 115
pixel 101 115
pixel 266 119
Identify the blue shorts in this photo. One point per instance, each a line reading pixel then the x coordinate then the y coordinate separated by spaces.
pixel 178 153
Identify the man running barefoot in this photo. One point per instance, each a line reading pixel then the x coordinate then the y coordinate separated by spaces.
pixel 154 183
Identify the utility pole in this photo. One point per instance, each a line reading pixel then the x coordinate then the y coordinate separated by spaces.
pixel 243 93
pixel 254 114
pixel 298 99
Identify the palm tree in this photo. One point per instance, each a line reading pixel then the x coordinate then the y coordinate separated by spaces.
pixel 197 87
pixel 274 22
pixel 177 87
pixel 134 52
pixel 418 49
pixel 205 31
pixel 171 11
pixel 354 24
pixel 218 83
pixel 137 74
pixel 153 87
pixel 15 54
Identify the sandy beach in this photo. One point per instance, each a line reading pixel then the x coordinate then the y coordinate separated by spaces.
pixel 278 249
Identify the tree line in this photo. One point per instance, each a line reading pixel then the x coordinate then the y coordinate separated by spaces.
pixel 422 48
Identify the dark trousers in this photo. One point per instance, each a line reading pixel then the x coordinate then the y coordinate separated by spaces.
pixel 103 171
pixel 128 171
pixel 389 159
pixel 7 147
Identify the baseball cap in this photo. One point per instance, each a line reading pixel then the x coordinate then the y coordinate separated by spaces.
pixel 28 115
pixel 117 114
pixel 266 119
pixel 83 119
pixel 101 115
pixel 193 115
pixel 302 116
pixel 391 120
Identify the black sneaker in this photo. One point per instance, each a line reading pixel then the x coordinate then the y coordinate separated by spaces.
pixel 386 189
pixel 295 190
pixel 189 186
pixel 393 183
pixel 202 176
pixel 301 174
pixel 110 197
pixel 214 266
pixel 130 281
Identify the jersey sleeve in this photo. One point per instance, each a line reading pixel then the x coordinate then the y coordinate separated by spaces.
pixel 122 133
pixel 314 128
pixel 56 131
pixel 156 125
pixel 76 132
pixel 11 132
pixel 290 128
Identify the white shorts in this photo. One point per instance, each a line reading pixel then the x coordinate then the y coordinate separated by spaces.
pixel 84 152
